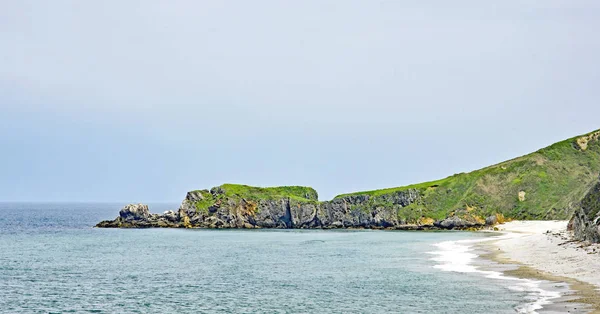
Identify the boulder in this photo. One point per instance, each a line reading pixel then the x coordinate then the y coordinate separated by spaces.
pixel 491 220
pixel 171 216
pixel 134 212
pixel 460 219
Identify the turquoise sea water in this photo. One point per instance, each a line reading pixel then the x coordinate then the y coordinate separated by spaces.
pixel 53 261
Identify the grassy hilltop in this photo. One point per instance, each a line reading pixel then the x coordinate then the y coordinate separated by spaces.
pixel 545 184
pixel 255 194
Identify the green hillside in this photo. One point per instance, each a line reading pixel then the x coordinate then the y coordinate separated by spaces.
pixel 543 185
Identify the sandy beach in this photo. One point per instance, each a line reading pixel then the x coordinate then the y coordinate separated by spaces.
pixel 540 258
pixel 547 251
pixel 548 246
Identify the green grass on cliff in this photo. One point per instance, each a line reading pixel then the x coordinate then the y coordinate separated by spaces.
pixel 299 193
pixel 417 186
pixel 553 180
pixel 207 201
pixel 252 193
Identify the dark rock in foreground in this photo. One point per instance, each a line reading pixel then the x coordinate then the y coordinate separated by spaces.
pixel 585 223
pixel 230 206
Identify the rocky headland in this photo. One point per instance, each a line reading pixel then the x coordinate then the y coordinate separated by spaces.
pixel 548 184
pixel 239 206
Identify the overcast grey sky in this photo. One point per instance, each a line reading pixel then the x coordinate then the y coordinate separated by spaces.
pixel 144 100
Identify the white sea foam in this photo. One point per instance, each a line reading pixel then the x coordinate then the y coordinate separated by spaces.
pixel 458 256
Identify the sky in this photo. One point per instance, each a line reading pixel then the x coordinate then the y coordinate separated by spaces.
pixel 142 101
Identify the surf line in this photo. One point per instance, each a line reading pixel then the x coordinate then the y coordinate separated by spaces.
pixel 458 256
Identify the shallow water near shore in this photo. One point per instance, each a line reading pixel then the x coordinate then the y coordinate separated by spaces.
pixel 53 261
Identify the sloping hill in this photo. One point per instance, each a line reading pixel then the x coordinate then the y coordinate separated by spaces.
pixel 545 184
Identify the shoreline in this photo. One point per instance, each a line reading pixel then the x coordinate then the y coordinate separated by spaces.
pixel 545 251
pixel 522 256
pixel 469 257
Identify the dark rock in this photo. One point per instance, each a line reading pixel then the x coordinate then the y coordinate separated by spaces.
pixel 451 223
pixel 585 222
pixel 491 220
pixel 195 195
pixel 460 219
pixel 217 190
pixel 171 216
pixel 134 212
pixel 109 224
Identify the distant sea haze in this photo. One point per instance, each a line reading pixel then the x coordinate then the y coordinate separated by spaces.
pixel 54 261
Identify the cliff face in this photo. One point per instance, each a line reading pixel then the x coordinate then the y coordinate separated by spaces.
pixel 585 223
pixel 240 212
pixel 233 206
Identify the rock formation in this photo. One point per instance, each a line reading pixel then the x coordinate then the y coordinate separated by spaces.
pixel 585 222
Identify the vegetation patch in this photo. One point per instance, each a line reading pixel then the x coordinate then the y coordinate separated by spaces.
pixel 298 193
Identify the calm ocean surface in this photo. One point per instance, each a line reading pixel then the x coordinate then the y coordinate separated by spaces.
pixel 53 261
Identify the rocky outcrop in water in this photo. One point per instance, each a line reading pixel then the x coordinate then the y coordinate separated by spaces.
pixel 585 222
pixel 133 212
pixel 222 208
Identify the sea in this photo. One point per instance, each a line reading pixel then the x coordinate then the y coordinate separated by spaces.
pixel 52 260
